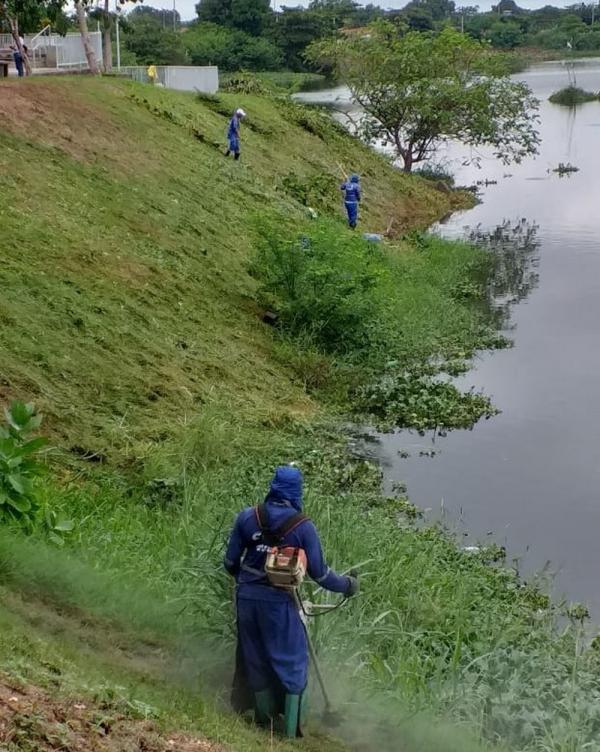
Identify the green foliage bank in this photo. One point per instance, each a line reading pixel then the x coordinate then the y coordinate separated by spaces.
pixel 131 318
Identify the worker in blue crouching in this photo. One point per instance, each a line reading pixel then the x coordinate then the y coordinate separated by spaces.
pixel 272 654
pixel 352 197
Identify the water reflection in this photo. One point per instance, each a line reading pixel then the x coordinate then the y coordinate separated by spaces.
pixel 515 247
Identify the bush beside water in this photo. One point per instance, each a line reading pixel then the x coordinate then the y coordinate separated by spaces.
pixel 380 314
pixel 572 95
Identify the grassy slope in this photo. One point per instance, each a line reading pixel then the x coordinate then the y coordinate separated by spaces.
pixel 128 315
pixel 127 306
pixel 127 299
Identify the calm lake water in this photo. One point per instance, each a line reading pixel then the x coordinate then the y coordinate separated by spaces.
pixel 529 478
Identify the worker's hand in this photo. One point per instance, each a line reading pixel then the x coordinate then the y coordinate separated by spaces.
pixel 353 586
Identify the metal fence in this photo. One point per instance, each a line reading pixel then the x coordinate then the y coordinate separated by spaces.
pixel 56 51
pixel 179 77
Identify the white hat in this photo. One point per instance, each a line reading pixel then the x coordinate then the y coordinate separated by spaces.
pixel 240 112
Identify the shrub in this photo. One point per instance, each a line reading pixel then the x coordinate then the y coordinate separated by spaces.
pixel 19 468
pixel 316 191
pixel 572 95
pixel 325 286
pixel 21 499
pixel 436 172
pixel 243 82
pixel 230 49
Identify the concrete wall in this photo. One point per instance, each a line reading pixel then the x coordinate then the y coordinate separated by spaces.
pixel 189 78
pixel 179 77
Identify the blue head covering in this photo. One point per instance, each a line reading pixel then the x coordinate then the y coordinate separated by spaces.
pixel 355 178
pixel 286 486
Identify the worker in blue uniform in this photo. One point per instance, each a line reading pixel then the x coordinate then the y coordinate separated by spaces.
pixel 272 645
pixel 233 133
pixel 352 197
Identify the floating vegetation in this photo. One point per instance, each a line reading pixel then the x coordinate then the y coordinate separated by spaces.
pixel 565 169
pixel 571 96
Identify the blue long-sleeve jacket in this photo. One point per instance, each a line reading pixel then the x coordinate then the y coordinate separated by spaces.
pixel 246 554
pixel 351 188
pixel 233 130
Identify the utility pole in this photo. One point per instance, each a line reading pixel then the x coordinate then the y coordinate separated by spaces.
pixel 174 25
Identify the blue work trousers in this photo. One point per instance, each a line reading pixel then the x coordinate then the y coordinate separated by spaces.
pixel 234 144
pixel 273 644
pixel 352 209
pixel 18 58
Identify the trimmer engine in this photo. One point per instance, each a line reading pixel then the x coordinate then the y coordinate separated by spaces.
pixel 286 566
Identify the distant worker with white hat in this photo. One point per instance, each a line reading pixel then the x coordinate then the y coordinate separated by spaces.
pixel 233 133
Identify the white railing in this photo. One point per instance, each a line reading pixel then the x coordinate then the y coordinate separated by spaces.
pixel 59 51
pixel 70 52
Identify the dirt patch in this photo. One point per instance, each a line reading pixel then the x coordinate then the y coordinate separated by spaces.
pixel 31 720
pixel 56 116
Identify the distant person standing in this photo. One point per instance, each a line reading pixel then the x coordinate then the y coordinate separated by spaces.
pixel 352 196
pixel 233 133
pixel 18 58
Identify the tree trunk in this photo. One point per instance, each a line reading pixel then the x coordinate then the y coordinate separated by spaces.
pixel 85 38
pixel 106 38
pixel 14 30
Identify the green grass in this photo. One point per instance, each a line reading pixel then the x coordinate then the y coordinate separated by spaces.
pixel 129 315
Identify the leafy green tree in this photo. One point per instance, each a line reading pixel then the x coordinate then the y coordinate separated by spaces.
pixel 164 17
pixel 334 13
pixel 439 10
pixel 230 49
pixel 251 16
pixel 419 19
pixel 146 38
pixel 20 16
pixel 294 31
pixel 419 90
pixel 506 35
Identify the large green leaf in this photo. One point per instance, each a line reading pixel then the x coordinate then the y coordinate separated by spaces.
pixel 17 482
pixel 19 414
pixel 64 525
pixel 56 539
pixel 33 446
pixel 20 503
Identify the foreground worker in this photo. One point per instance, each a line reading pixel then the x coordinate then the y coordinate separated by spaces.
pixel 233 133
pixel 352 196
pixel 272 651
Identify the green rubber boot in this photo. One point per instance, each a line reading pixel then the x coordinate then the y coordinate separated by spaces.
pixel 264 707
pixel 293 716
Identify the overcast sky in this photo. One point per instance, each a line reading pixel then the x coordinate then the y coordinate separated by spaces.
pixel 186 7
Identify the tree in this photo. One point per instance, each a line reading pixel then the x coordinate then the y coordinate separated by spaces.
pixel 152 42
pixel 506 35
pixel 294 31
pixel 334 13
pixel 10 13
pixel 230 49
pixel 90 55
pixel 419 90
pixel 251 16
pixel 419 19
